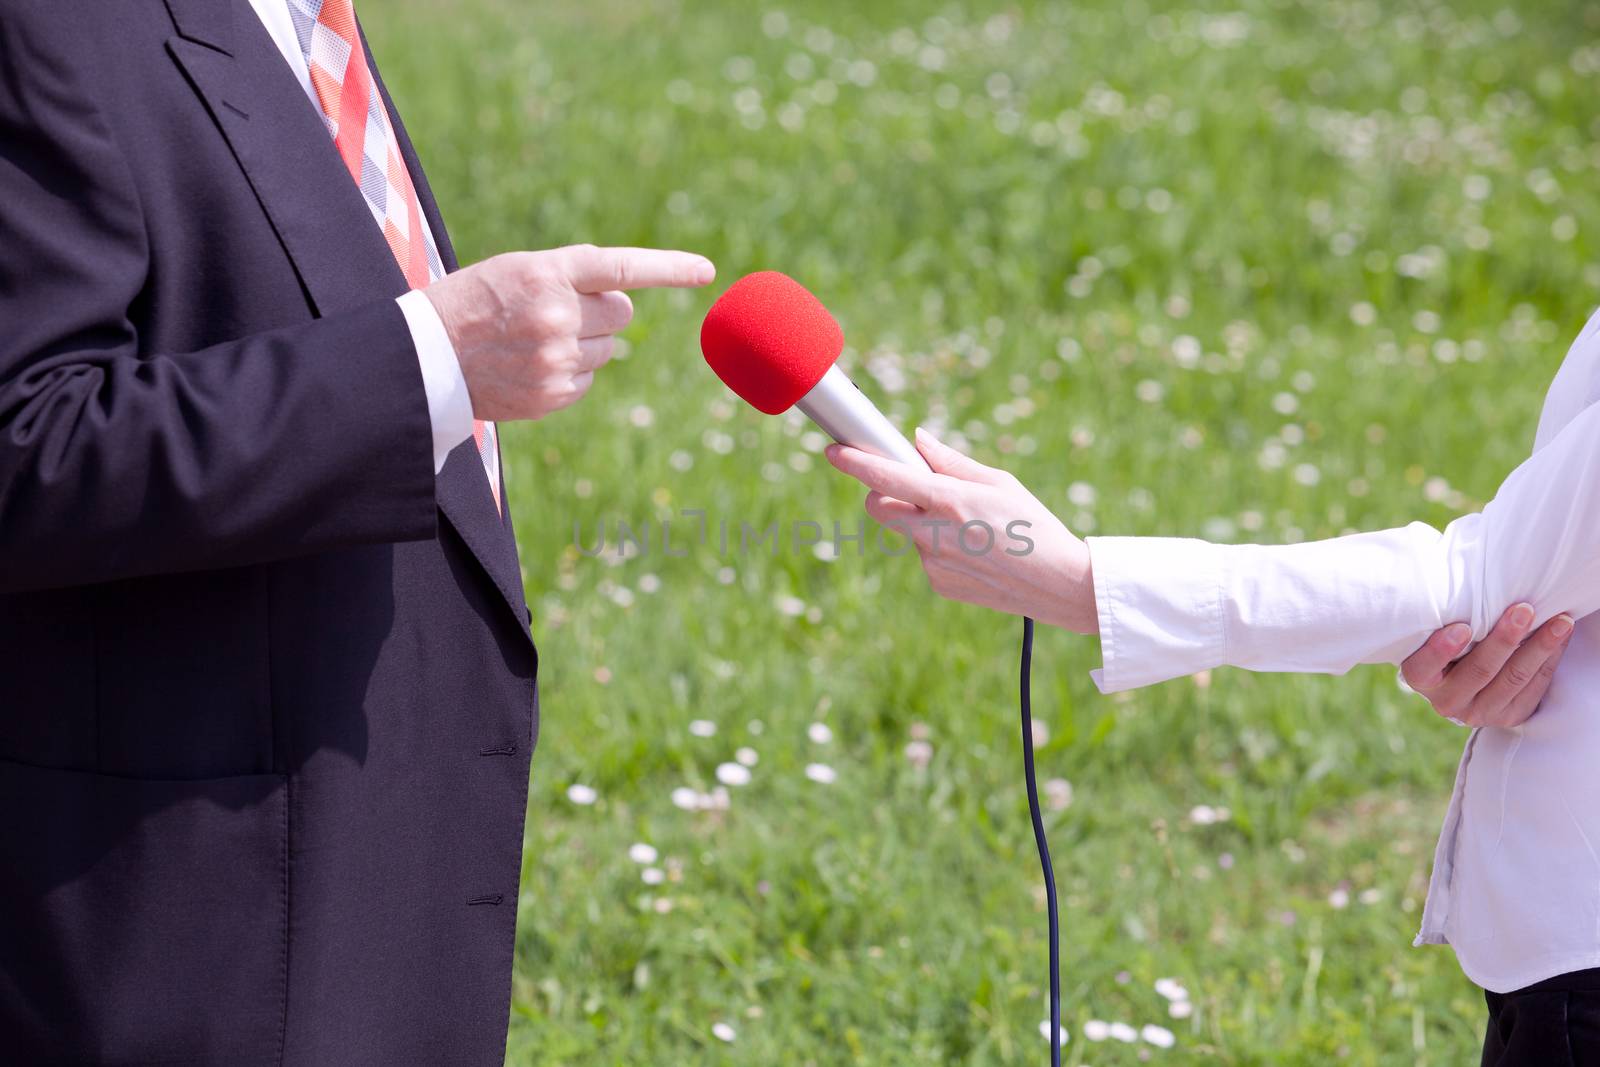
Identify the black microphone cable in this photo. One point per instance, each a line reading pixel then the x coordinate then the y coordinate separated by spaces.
pixel 1040 840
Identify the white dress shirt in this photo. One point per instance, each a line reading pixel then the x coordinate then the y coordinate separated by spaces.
pixel 449 404
pixel 1516 876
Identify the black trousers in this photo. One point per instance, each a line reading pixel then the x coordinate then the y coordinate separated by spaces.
pixel 1554 1023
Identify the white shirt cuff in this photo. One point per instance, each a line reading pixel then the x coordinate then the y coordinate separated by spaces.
pixel 1159 602
pixel 449 403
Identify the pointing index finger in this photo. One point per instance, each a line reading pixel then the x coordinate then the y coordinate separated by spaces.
pixel 601 270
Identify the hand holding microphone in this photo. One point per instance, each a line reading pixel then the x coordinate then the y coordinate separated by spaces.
pixel 983 538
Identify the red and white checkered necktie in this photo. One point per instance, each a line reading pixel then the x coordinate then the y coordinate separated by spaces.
pixel 354 113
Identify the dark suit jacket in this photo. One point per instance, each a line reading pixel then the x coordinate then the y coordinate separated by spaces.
pixel 267 691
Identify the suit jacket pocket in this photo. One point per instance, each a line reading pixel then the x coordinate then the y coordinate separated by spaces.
pixel 142 921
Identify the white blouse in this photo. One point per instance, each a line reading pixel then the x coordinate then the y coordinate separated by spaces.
pixel 1516 876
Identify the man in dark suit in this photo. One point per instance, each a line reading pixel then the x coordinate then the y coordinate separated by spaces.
pixel 267 689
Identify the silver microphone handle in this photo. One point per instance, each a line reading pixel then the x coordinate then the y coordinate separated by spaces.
pixel 845 413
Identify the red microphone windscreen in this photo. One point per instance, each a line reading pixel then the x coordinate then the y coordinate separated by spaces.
pixel 770 340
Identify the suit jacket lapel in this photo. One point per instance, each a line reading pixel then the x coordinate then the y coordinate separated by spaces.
pixel 322 219
pixel 281 144
pixel 463 490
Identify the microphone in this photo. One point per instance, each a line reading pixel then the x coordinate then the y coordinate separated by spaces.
pixel 774 344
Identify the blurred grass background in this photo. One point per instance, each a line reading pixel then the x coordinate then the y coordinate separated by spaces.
pixel 1257 270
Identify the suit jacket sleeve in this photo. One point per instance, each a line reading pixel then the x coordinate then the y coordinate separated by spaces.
pixel 1171 606
pixel 118 462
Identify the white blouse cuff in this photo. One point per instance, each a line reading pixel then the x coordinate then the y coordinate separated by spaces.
pixel 1159 601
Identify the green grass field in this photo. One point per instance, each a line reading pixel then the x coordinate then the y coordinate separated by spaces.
pixel 1257 270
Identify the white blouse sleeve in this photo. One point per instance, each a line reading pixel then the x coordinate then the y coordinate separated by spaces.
pixel 1172 606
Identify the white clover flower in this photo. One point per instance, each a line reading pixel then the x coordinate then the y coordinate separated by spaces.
pixel 1186 350
pixel 582 795
pixel 820 733
pixel 724 1032
pixel 653 876
pixel 1122 1032
pixel 642 853
pixel 919 753
pixel 1180 1009
pixel 703 728
pixel 747 756
pixel 1096 1030
pixel 1171 989
pixel 733 774
pixel 685 798
pixel 1159 1036
pixel 821 772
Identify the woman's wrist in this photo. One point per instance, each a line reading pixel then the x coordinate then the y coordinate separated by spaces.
pixel 1078 610
pixel 1089 622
